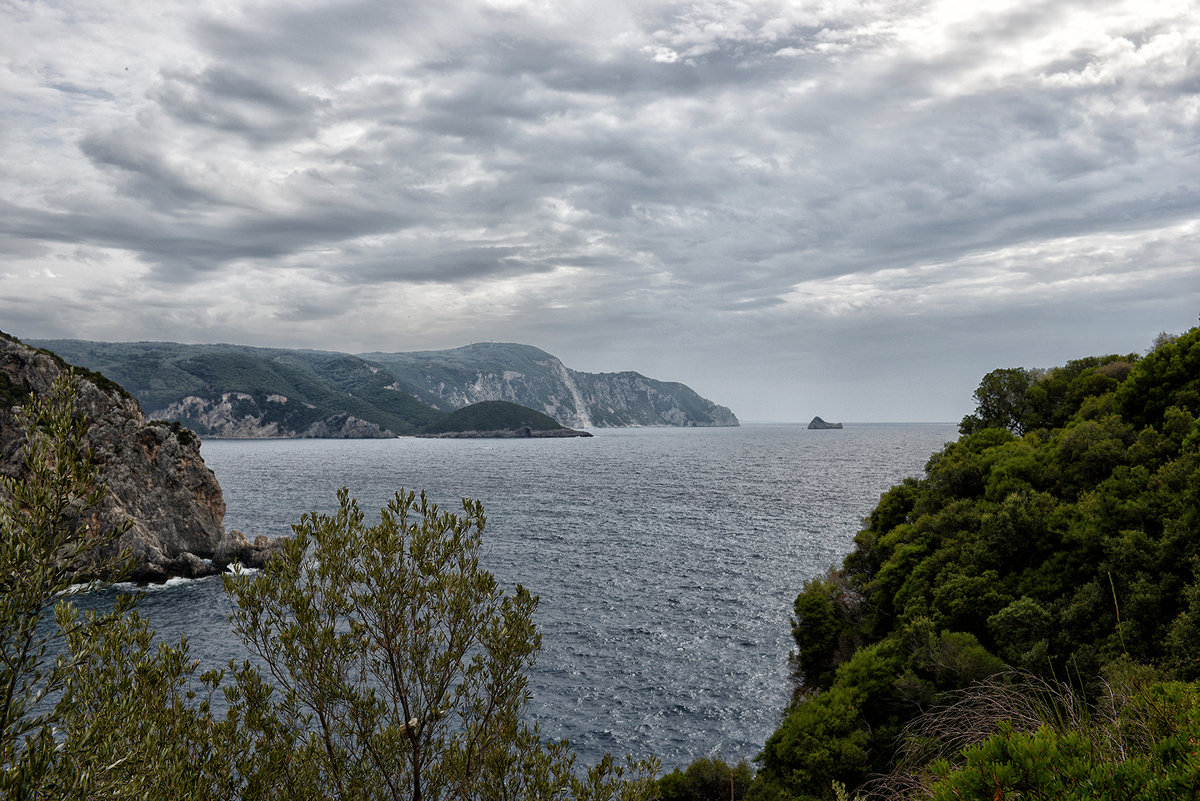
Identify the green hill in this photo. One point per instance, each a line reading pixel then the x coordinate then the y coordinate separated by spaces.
pixel 241 391
pixel 233 390
pixel 498 418
pixel 1058 537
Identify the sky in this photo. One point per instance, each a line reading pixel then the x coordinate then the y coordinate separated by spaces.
pixel 836 208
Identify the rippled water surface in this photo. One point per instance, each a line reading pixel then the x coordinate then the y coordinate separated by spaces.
pixel 666 559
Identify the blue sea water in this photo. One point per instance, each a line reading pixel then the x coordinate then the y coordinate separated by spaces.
pixel 666 560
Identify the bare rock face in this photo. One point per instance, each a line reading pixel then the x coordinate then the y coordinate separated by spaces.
pixel 153 471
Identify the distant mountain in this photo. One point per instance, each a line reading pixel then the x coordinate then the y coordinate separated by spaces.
pixel 242 391
pixel 236 391
pixel 531 377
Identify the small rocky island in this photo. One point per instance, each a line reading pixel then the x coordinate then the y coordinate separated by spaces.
pixel 497 419
pixel 818 424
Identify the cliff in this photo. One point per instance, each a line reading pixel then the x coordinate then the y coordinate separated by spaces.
pixel 240 391
pixel 152 470
pixel 528 376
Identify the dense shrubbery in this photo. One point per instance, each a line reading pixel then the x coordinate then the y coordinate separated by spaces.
pixel 1059 535
pixel 706 779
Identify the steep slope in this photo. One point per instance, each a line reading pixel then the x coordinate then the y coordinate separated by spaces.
pixel 153 470
pixel 1057 536
pixel 236 391
pixel 531 377
pixel 240 391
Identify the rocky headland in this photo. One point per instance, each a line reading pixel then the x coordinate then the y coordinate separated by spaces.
pixel 153 472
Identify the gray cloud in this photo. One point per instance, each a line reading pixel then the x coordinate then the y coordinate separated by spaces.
pixel 873 189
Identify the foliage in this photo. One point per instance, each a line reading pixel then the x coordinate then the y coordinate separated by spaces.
pixel 1139 745
pixel 401 664
pixel 45 535
pixel 706 779
pixel 1057 535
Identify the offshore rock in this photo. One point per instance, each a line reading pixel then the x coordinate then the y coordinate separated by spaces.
pixel 152 470
pixel 817 424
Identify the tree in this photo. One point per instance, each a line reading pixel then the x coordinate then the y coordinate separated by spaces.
pixel 45 534
pixel 707 779
pixel 1001 399
pixel 401 663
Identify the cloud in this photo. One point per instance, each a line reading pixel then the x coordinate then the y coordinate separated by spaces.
pixel 709 174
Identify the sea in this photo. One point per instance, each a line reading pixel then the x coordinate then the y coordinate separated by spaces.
pixel 666 559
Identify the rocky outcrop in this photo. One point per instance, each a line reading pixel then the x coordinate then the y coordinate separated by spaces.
pixel 632 399
pixel 344 426
pixel 152 470
pixel 817 424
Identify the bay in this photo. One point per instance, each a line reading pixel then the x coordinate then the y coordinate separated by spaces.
pixel 666 560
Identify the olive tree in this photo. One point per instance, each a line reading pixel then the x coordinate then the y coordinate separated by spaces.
pixel 45 536
pixel 402 665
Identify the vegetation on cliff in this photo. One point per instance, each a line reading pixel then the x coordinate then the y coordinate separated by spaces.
pixel 241 391
pixel 1058 537
pixel 152 471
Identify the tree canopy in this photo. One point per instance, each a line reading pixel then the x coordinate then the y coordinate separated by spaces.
pixel 1057 536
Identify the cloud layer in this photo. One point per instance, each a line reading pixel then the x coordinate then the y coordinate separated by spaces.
pixel 852 209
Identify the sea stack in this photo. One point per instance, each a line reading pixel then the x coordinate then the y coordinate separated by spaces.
pixel 818 424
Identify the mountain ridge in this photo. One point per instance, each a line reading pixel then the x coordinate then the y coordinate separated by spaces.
pixel 227 390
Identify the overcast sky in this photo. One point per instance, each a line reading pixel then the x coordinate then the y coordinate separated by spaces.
pixel 851 209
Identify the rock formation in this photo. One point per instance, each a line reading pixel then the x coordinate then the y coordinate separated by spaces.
pixel 152 470
pixel 817 424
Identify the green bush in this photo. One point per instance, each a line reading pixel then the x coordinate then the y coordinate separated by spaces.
pixel 1057 535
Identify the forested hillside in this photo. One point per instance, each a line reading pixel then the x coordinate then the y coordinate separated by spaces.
pixel 242 391
pixel 1057 541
